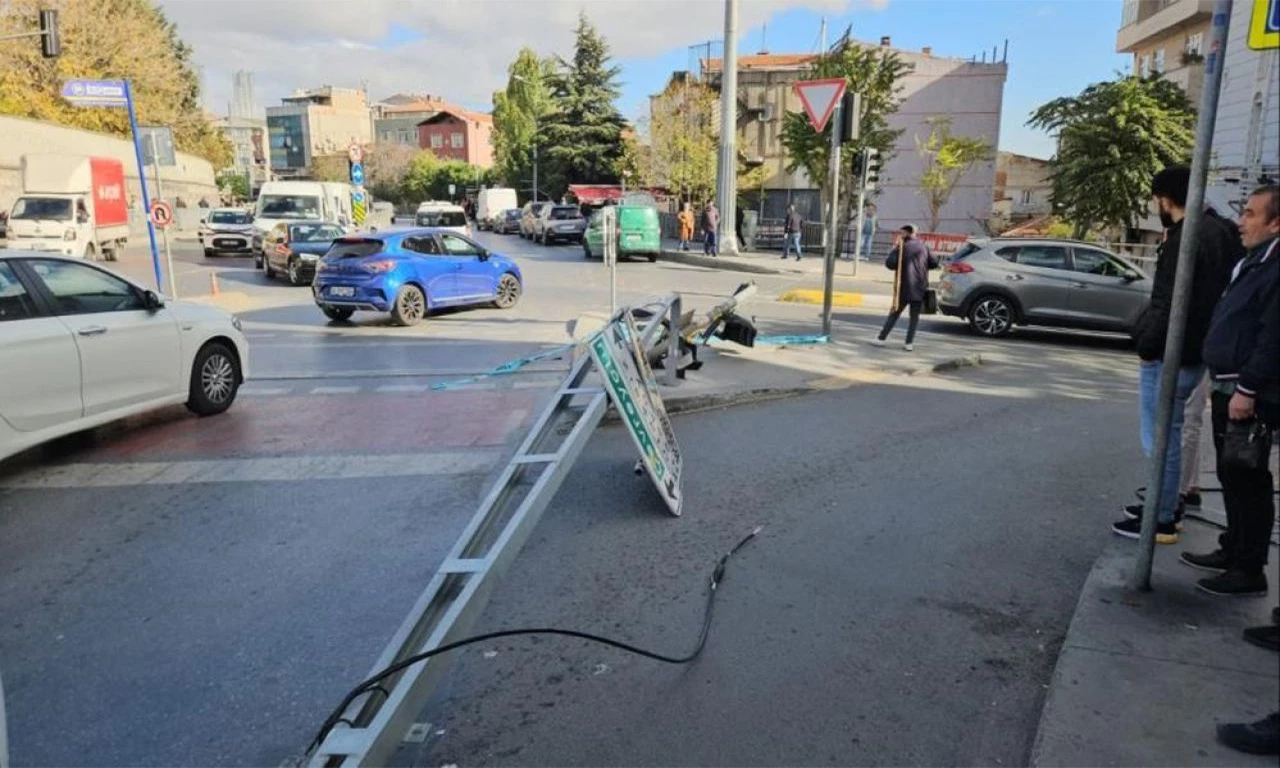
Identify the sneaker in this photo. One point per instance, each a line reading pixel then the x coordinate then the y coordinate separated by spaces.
pixel 1134 512
pixel 1264 637
pixel 1216 561
pixel 909 347
pixel 1166 533
pixel 877 342
pixel 797 258
pixel 1235 583
pixel 1259 738
pixel 1191 499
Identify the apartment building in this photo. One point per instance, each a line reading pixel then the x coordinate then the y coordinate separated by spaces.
pixel 459 134
pixel 396 118
pixel 1023 190
pixel 969 92
pixel 1169 38
pixel 321 121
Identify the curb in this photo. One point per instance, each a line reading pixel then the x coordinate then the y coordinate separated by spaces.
pixel 726 263
pixel 846 299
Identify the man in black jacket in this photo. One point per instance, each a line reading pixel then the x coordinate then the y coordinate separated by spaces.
pixel 910 261
pixel 1216 252
pixel 1242 350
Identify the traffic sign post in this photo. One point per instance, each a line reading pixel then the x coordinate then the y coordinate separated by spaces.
pixel 359 201
pixel 161 211
pixel 611 237
pixel 119 93
pixel 161 214
pixel 821 99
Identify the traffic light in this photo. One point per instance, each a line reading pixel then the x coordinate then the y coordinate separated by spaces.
pixel 850 114
pixel 50 43
pixel 857 167
pixel 870 168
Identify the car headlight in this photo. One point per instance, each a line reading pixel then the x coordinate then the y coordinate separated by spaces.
pixel 235 323
pixel 70 234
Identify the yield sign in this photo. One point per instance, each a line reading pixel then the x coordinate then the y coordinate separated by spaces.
pixel 819 98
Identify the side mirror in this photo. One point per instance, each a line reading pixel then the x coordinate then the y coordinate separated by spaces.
pixel 152 301
pixel 82 217
pixel 1131 277
pixel 483 255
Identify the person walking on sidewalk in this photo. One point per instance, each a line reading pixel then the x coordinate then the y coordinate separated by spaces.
pixel 1242 349
pixel 792 227
pixel 1217 249
pixel 910 261
pixel 710 228
pixel 685 219
pixel 868 229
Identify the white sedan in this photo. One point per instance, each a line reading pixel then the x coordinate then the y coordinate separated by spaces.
pixel 81 346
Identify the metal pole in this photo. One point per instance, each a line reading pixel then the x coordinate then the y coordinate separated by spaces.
pixel 857 242
pixel 833 181
pixel 142 182
pixel 164 233
pixel 1141 578
pixel 672 372
pixel 535 164
pixel 727 192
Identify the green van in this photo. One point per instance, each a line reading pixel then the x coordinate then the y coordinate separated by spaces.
pixel 639 233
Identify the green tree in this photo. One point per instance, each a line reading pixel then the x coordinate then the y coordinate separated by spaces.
pixel 947 158
pixel 1112 138
pixel 385 168
pixel 108 39
pixel 875 72
pixel 335 167
pixel 581 138
pixel 516 113
pixel 235 183
pixel 682 146
pixel 420 176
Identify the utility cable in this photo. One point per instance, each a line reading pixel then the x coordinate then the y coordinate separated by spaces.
pixel 717 576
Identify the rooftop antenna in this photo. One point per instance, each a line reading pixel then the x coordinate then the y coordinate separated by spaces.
pixel 764 38
pixel 822 36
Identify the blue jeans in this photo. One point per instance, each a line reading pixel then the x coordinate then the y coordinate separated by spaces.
pixel 866 245
pixel 709 243
pixel 1148 397
pixel 791 240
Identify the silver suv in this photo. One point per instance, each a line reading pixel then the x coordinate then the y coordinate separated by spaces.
pixel 1002 282
pixel 559 222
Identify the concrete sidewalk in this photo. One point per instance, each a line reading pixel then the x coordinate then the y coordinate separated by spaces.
pixel 1143 678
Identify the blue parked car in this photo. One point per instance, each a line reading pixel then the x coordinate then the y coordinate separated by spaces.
pixel 409 272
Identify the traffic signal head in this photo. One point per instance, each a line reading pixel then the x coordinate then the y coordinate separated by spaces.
pixel 50 42
pixel 871 168
pixel 857 167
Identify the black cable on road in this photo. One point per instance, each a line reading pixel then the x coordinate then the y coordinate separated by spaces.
pixel 717 576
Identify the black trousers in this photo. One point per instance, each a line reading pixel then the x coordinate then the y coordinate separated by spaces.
pixel 892 320
pixel 1247 495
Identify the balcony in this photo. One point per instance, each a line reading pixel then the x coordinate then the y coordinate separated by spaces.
pixel 1170 15
pixel 1191 78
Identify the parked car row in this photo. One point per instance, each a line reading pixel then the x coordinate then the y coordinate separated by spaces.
pixel 639 233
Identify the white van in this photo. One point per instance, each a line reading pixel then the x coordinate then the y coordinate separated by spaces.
pixel 292 200
pixel 490 203
pixel 434 213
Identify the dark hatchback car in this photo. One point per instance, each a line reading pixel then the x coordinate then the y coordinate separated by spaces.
pixel 507 222
pixel 295 247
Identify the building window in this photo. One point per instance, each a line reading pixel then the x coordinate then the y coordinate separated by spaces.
pixel 1144 66
pixel 457 140
pixel 406 137
pixel 1026 197
pixel 1158 63
pixel 1130 13
pixel 1195 44
pixel 437 141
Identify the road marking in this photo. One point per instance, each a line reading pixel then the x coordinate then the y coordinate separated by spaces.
pixel 335 390
pixel 258 391
pixel 289 468
pixel 404 388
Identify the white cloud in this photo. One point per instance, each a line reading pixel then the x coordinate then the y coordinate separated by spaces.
pixel 464 46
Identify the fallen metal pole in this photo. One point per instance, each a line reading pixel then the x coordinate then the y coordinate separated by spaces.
pixel 1187 246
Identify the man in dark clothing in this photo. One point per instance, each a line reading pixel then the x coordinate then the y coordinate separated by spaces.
pixel 792 227
pixel 739 217
pixel 910 262
pixel 1242 350
pixel 1217 250
pixel 710 229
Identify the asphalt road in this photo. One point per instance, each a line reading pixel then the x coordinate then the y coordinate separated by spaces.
pixel 179 591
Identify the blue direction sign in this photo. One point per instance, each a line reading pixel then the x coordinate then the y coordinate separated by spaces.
pixel 357 174
pixel 357 195
pixel 95 93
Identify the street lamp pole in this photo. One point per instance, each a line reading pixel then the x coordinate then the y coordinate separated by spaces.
pixel 526 81
pixel 728 167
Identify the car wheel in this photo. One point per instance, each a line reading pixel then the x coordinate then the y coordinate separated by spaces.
pixel 991 316
pixel 508 292
pixel 109 254
pixel 586 250
pixel 410 306
pixel 295 274
pixel 88 252
pixel 215 379
pixel 257 260
pixel 339 314
pixel 653 257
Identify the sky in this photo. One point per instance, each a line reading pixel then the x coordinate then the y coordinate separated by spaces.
pixel 460 49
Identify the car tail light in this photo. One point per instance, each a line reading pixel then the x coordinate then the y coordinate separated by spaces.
pixel 959 268
pixel 378 267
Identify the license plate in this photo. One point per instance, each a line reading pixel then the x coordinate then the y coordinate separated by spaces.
pixel 633 236
pixel 342 290
pixel 228 243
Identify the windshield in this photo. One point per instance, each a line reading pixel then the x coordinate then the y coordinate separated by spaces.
pixel 567 212
pixel 229 217
pixel 513 213
pixel 289 207
pixel 442 219
pixel 343 248
pixel 42 208
pixel 314 233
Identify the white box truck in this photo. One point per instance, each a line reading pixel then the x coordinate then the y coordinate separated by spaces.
pixel 71 204
pixel 490 203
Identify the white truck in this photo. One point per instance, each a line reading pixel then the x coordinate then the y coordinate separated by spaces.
pixel 490 203
pixel 71 204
